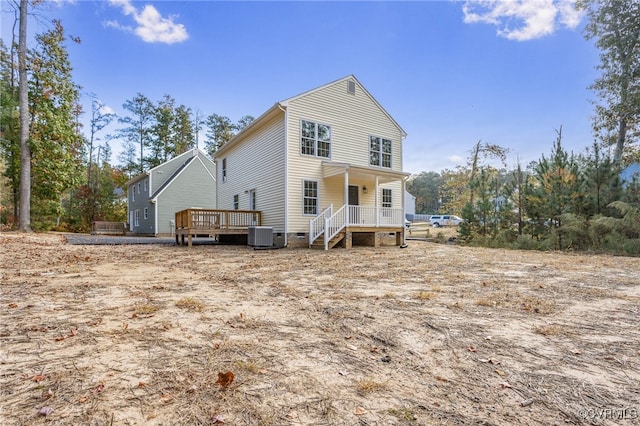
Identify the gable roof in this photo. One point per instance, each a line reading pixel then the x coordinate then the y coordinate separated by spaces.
pixel 282 105
pixel 192 153
pixel 285 102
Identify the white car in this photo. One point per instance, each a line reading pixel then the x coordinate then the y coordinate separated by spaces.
pixel 445 220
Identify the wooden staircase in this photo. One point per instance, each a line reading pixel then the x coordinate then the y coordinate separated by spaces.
pixel 319 242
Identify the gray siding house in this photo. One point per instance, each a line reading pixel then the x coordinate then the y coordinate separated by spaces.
pixel 153 197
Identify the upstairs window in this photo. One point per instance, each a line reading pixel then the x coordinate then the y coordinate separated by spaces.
pixel 315 139
pixel 132 189
pixel 379 152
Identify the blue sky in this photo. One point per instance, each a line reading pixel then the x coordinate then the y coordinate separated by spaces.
pixel 506 72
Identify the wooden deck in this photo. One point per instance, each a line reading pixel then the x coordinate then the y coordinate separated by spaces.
pixel 211 223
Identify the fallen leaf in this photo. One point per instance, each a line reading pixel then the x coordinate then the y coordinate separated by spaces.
pixel 343 372
pixel 488 338
pixel 141 384
pixel 500 373
pixel 576 351
pixel 45 411
pixel 38 377
pixel 442 379
pixel 292 414
pixel 217 419
pixel 125 325
pixel 13 305
pixel 471 349
pixel 225 379
pixel 83 398
pixel 73 332
pixel 134 315
pixel 505 385
pixel 98 389
pixel 60 338
pixel 359 411
pixel 48 394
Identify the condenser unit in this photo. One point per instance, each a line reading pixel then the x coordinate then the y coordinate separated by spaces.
pixel 260 236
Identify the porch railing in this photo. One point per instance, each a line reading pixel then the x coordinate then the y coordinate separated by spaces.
pixel 317 224
pixel 375 216
pixel 335 224
pixel 330 223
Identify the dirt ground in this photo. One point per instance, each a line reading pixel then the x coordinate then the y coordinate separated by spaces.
pixel 430 334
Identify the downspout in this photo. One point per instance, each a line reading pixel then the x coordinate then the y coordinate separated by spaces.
pixel 404 228
pixel 286 173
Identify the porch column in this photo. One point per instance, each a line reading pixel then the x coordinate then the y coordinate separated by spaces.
pixel 346 187
pixel 376 204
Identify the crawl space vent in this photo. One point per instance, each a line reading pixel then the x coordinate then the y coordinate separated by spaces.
pixel 351 87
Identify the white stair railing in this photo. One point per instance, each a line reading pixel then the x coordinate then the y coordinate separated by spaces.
pixel 316 225
pixel 335 224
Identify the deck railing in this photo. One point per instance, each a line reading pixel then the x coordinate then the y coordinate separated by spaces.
pixel 217 219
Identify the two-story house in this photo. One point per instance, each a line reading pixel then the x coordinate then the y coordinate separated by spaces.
pixel 323 167
pixel 153 197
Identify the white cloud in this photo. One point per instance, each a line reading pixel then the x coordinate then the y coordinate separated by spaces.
pixel 455 159
pixel 151 26
pixel 523 19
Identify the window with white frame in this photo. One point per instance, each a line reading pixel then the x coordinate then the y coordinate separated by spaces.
pixel 146 213
pixel 224 169
pixel 138 187
pixel 145 186
pixel 136 218
pixel 236 202
pixel 315 139
pixel 310 197
pixel 387 197
pixel 379 151
pixel 132 189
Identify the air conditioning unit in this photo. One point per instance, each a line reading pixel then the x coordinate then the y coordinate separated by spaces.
pixel 260 236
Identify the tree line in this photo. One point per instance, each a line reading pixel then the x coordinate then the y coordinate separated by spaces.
pixel 561 201
pixel 65 171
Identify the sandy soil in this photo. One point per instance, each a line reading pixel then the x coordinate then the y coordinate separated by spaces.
pixel 430 334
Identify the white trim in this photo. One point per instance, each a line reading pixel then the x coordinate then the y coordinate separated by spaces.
pixel 317 182
pixel 286 176
pixel 380 166
pixel 315 140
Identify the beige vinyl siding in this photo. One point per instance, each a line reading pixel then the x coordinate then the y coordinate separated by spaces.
pixel 257 162
pixel 353 118
pixel 193 187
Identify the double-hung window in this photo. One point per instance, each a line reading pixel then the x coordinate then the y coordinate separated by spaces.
pixel 236 202
pixel 146 213
pixel 387 197
pixel 315 139
pixel 136 220
pixel 310 197
pixel 379 151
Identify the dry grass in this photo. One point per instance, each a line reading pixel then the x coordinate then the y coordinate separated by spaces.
pixel 430 334
pixel 190 304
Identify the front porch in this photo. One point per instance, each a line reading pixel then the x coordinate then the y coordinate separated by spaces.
pixel 366 215
pixel 356 225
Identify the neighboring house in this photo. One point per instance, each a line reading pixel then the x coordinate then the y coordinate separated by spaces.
pixel 409 205
pixel 331 156
pixel 630 174
pixel 154 197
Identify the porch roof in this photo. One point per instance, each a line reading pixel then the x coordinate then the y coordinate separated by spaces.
pixel 334 168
